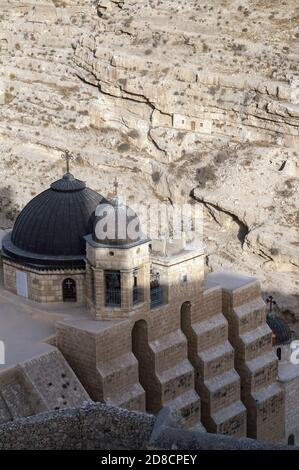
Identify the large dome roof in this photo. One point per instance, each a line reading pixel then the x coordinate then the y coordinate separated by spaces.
pixel 51 227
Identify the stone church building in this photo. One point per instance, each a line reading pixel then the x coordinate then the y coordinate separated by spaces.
pixel 159 332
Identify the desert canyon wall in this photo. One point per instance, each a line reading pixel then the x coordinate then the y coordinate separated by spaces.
pixel 191 101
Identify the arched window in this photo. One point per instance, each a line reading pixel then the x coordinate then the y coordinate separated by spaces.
pixel 291 440
pixel 136 290
pixel 69 291
pixel 278 353
pixel 113 288
pixel 156 290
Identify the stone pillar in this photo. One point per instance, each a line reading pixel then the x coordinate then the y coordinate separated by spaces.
pixel 99 286
pixel 127 280
pixel 89 274
pixel 144 282
pixel 9 277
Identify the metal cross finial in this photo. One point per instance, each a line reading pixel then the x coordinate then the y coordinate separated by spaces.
pixel 115 184
pixel 68 157
pixel 270 300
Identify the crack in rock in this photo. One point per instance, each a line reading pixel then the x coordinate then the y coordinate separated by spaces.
pixel 243 228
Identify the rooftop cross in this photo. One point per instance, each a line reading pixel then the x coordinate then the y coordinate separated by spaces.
pixel 115 184
pixel 68 157
pixel 270 300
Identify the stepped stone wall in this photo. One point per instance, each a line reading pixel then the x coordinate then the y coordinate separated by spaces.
pixel 109 370
pixel 204 354
pixel 139 358
pixel 212 357
pixel 184 111
pixel 291 389
pixel 255 359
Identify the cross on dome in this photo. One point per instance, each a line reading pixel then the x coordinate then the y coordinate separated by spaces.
pixel 68 157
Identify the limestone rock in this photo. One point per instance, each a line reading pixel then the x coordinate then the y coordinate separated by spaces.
pixel 181 97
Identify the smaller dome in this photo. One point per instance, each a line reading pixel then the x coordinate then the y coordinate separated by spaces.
pixel 280 328
pixel 117 225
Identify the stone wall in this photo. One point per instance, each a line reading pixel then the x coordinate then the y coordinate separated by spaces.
pixel 44 286
pixel 104 361
pixel 96 426
pixel 255 360
pixel 101 427
pixel 186 351
pixel 126 261
pixel 46 382
pixel 291 420
pixel 212 357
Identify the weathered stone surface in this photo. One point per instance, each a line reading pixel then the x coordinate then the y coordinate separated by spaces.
pixel 45 382
pixel 192 97
pixel 102 427
pixel 95 426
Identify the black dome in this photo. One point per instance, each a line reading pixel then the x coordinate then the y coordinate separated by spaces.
pixel 280 329
pixel 54 223
pixel 117 225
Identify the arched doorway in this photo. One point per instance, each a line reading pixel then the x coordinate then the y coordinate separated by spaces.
pixel 185 317
pixel 147 378
pixel 278 353
pixel 291 440
pixel 69 291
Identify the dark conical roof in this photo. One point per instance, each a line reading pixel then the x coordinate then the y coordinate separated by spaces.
pixel 68 183
pixel 280 329
pixel 54 223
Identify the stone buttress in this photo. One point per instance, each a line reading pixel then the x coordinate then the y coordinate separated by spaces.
pixel 212 357
pixel 255 360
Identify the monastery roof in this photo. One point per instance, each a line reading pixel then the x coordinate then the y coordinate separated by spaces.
pixel 228 280
pixel 280 328
pixel 50 229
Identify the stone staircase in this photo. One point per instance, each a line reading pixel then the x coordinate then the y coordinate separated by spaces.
pixel 212 357
pixel 120 382
pixel 166 377
pixel 255 360
pixel 174 377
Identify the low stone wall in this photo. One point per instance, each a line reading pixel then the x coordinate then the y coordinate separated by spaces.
pixel 94 426
pixel 98 426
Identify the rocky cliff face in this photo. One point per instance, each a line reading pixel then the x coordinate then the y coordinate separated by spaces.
pixel 194 100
